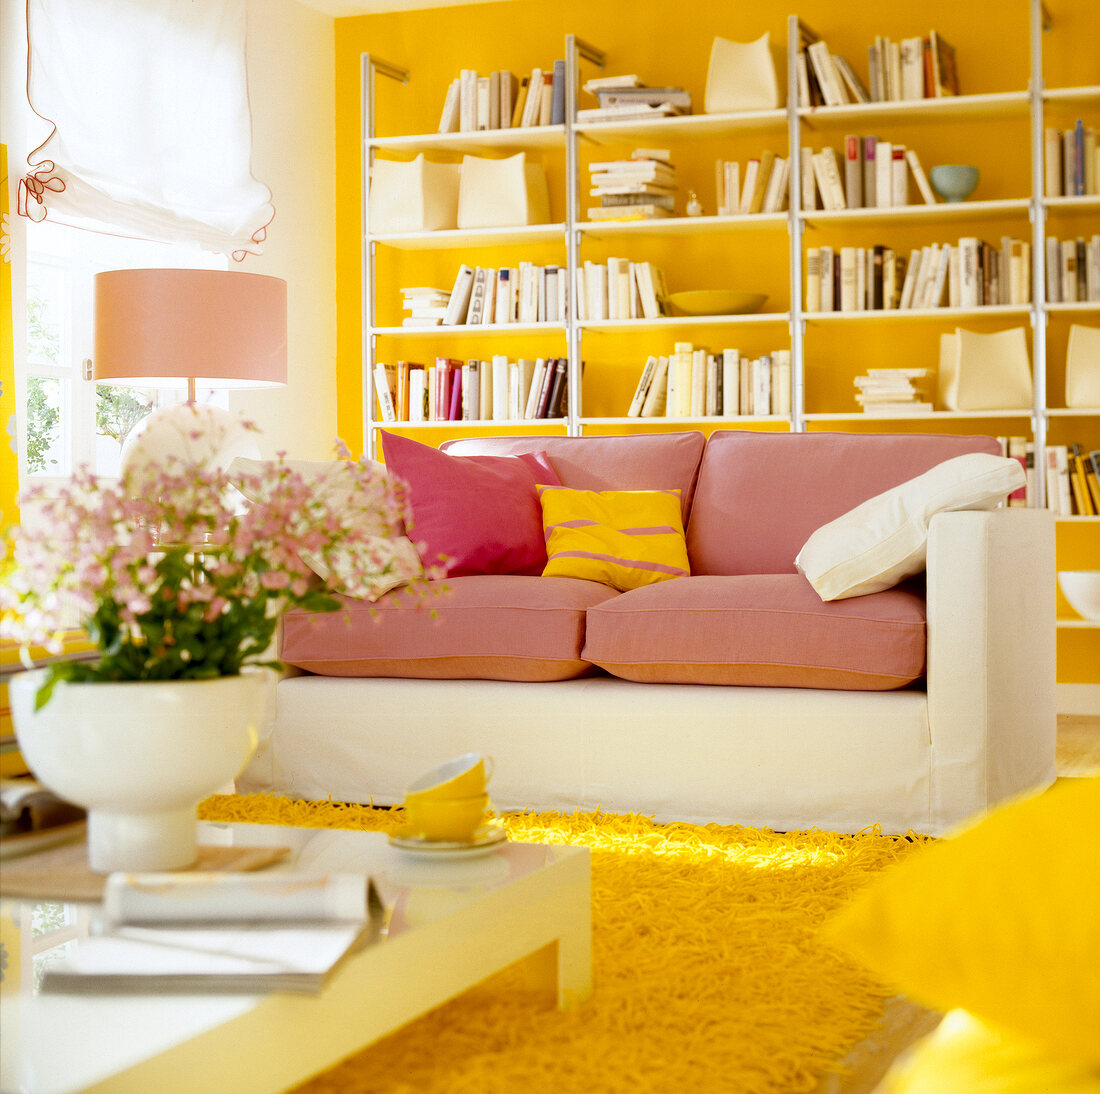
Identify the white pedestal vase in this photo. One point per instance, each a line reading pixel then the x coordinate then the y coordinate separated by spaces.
pixel 140 756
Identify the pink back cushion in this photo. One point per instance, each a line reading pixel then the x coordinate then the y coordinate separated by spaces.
pixel 480 514
pixel 760 495
pixel 644 461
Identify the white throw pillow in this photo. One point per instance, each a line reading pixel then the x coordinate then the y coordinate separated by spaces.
pixel 875 545
pixel 384 546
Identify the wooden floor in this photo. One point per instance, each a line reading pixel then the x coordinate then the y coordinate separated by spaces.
pixel 904 1022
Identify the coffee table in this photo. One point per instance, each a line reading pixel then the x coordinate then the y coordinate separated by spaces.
pixel 453 921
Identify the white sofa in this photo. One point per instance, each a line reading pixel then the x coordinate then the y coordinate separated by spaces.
pixel 979 727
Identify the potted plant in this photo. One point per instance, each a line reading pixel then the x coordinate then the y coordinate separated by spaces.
pixel 180 583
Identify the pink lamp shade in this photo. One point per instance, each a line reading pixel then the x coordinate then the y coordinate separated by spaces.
pixel 206 328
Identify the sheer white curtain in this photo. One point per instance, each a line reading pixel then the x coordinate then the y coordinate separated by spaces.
pixel 150 127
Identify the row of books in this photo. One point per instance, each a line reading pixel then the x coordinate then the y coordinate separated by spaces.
pixel 621 289
pixel 502 101
pixel 969 274
pixel 623 98
pixel 763 189
pixel 894 390
pixel 918 67
pixel 640 188
pixel 692 382
pixel 451 390
pixel 1072 476
pixel 875 174
pixel 1073 270
pixel 485 295
pixel 1071 161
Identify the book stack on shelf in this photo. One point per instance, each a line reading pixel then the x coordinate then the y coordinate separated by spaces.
pixel 870 173
pixel 912 68
pixel 693 382
pixel 426 306
pixel 452 390
pixel 1073 270
pixel 640 188
pixel 626 98
pixel 527 293
pixel 764 188
pixel 969 274
pixel 1072 480
pixel 501 101
pixel 894 391
pixel 1071 161
pixel 621 289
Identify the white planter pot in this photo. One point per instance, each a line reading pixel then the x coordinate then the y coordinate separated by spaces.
pixel 140 756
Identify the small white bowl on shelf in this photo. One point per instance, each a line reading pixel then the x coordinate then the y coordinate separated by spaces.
pixel 1082 589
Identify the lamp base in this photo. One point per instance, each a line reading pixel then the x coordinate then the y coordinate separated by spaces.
pixel 191 433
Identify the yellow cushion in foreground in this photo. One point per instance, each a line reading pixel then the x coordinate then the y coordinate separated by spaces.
pixel 622 538
pixel 1003 920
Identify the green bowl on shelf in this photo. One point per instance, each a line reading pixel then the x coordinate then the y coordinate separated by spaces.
pixel 716 302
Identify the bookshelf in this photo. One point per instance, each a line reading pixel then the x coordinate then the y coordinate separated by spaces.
pixel 823 346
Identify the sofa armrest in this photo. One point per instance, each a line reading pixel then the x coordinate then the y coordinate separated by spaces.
pixel 991 656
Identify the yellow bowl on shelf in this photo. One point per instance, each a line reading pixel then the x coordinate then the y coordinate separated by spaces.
pixel 716 302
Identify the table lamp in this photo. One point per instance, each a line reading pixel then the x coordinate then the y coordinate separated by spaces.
pixel 189 328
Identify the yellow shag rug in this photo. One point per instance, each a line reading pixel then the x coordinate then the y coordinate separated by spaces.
pixel 709 975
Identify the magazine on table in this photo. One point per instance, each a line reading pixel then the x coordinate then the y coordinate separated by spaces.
pixel 220 932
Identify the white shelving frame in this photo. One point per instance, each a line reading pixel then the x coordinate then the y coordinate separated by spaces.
pixel 796 222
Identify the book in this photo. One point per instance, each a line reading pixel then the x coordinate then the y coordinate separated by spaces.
pixel 499 369
pixel 384 380
pixel 448 120
pixel 775 194
pixel 920 177
pixel 520 103
pixel 854 84
pixel 642 388
pixel 853 172
pixel 459 301
pixel 533 101
pixel 220 933
pixel 945 75
pixel 557 100
pixel 884 174
pixel 655 399
pixel 731 383
pixel 827 172
pixel 760 183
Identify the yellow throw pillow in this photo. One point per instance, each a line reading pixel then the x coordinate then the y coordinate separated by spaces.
pixel 622 538
pixel 965 1056
pixel 1003 920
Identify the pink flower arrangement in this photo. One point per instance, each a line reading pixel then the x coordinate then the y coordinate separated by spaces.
pixel 175 576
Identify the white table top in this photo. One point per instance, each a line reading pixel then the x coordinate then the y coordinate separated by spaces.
pixel 57 1044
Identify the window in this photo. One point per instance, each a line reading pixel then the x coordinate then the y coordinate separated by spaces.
pixel 70 421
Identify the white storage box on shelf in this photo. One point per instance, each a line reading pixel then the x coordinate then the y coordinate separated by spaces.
pixel 742 76
pixel 417 195
pixel 502 193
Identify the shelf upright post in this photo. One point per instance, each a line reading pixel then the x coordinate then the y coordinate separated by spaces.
pixel 368 68
pixel 1037 213
pixel 574 48
pixel 797 324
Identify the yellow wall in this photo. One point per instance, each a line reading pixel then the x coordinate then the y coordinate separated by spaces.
pixel 648 38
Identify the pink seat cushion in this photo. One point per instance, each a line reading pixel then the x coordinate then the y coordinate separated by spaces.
pixel 488 627
pixel 761 495
pixel 475 515
pixel 762 630
pixel 650 461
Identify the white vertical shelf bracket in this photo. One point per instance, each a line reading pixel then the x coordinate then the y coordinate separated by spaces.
pixel 369 67
pixel 794 230
pixel 1040 20
pixel 575 49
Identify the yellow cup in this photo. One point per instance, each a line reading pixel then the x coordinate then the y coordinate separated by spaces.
pixel 463 777
pixel 450 820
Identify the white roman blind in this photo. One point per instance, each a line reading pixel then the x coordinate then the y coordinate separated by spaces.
pixel 151 131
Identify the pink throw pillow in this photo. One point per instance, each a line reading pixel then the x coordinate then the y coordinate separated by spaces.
pixel 473 514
